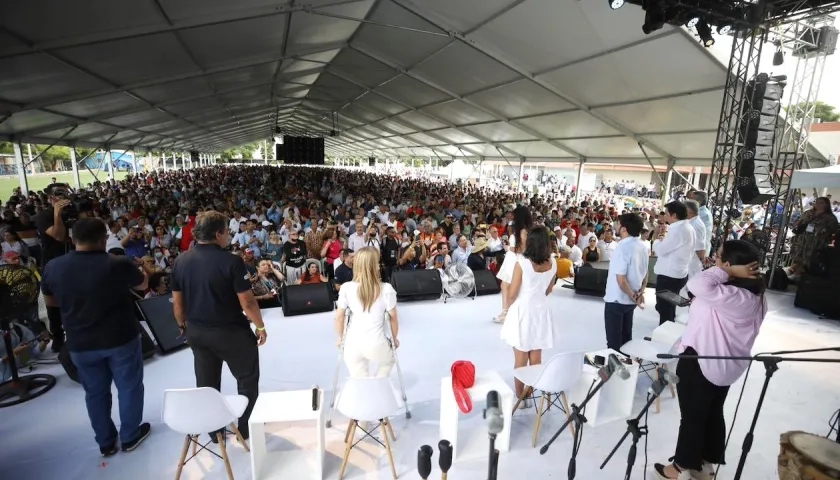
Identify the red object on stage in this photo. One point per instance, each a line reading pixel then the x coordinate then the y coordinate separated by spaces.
pixel 463 377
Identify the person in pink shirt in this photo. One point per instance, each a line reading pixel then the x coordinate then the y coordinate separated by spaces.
pixel 726 314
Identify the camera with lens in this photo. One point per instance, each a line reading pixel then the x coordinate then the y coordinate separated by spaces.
pixel 78 203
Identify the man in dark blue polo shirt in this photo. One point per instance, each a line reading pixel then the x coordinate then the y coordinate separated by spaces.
pixel 344 272
pixel 90 287
pixel 210 289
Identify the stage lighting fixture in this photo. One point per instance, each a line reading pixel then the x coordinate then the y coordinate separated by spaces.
pixel 693 22
pixel 616 4
pixel 724 29
pixel 705 34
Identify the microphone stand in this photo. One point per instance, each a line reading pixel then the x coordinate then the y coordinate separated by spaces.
pixel 577 417
pixel 771 365
pixel 493 463
pixel 635 430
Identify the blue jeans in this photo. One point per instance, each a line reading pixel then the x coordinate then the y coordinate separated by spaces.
pixel 97 369
pixel 618 321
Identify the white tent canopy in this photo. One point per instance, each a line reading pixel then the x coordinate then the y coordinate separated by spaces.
pixel 828 177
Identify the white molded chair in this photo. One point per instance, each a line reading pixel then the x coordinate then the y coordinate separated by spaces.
pixel 366 400
pixel 555 377
pixel 194 411
pixel 664 339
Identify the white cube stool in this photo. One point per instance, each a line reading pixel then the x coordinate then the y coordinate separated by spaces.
pixel 664 339
pixel 450 413
pixel 614 401
pixel 291 406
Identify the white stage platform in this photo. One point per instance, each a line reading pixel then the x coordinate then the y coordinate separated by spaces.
pixel 50 437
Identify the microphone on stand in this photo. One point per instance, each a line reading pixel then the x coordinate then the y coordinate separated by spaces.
pixel 444 458
pixel 667 377
pixel 424 461
pixel 617 366
pixel 493 413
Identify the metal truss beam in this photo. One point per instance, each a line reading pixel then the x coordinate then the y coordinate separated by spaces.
pixel 743 66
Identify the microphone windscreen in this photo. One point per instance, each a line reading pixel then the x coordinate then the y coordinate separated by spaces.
pixel 444 455
pixel 424 461
pixel 617 367
pixel 493 399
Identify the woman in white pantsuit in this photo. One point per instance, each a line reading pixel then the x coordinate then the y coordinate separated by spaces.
pixel 516 245
pixel 368 300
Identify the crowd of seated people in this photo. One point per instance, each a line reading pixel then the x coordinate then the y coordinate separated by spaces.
pixel 299 225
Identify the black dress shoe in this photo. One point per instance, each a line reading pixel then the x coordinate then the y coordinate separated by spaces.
pixel 109 450
pixel 145 430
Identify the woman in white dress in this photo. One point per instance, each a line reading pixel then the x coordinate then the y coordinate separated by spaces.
pixel 530 327
pixel 368 300
pixel 522 222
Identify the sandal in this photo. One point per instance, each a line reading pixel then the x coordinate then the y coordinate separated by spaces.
pixel 500 318
pixel 659 471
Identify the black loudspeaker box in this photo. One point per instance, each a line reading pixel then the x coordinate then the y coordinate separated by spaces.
pixel 818 295
pixel 416 285
pixel 303 299
pixel 591 281
pixel 159 315
pixel 486 283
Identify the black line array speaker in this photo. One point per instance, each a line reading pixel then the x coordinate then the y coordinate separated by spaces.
pixel 160 318
pixel 302 150
pixel 371 161
pixel 194 157
pixel 416 285
pixel 486 283
pixel 591 281
pixel 304 299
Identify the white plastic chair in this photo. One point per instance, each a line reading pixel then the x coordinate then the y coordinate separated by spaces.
pixel 368 400
pixel 664 339
pixel 555 377
pixel 193 411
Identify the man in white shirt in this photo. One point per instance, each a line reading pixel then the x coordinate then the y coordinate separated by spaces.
pixel 575 253
pixel 608 245
pixel 626 281
pixel 357 240
pixel 674 253
pixel 585 234
pixel 462 253
pixel 699 257
pixel 706 217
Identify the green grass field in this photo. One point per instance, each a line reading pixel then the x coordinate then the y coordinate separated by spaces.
pixel 41 180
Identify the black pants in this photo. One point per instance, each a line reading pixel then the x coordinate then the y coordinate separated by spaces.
pixel 618 321
pixel 236 346
pixel 667 310
pixel 387 271
pixel 702 427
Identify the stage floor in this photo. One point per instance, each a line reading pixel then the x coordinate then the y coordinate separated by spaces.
pixel 50 437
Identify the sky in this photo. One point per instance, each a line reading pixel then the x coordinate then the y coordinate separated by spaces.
pixel 829 91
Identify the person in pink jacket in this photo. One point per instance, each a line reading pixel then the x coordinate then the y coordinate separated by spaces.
pixel 726 314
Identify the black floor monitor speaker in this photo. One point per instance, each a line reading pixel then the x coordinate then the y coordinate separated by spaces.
pixel 304 299
pixel 159 315
pixel 416 285
pixel 591 281
pixel 486 283
pixel 817 295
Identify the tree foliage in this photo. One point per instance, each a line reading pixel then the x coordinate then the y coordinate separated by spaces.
pixel 822 111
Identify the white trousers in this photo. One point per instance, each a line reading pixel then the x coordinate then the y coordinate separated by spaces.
pixel 359 354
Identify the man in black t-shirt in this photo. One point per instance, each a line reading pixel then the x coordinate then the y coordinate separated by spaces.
pixel 344 272
pixel 294 256
pixel 390 252
pixel 55 242
pixel 210 291
pixel 89 286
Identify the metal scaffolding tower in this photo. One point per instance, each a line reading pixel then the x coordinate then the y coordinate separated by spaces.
pixel 801 40
pixel 743 65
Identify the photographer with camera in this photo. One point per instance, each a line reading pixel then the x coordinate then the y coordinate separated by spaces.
pixel 54 225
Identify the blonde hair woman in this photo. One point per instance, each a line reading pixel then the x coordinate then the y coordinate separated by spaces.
pixel 367 299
